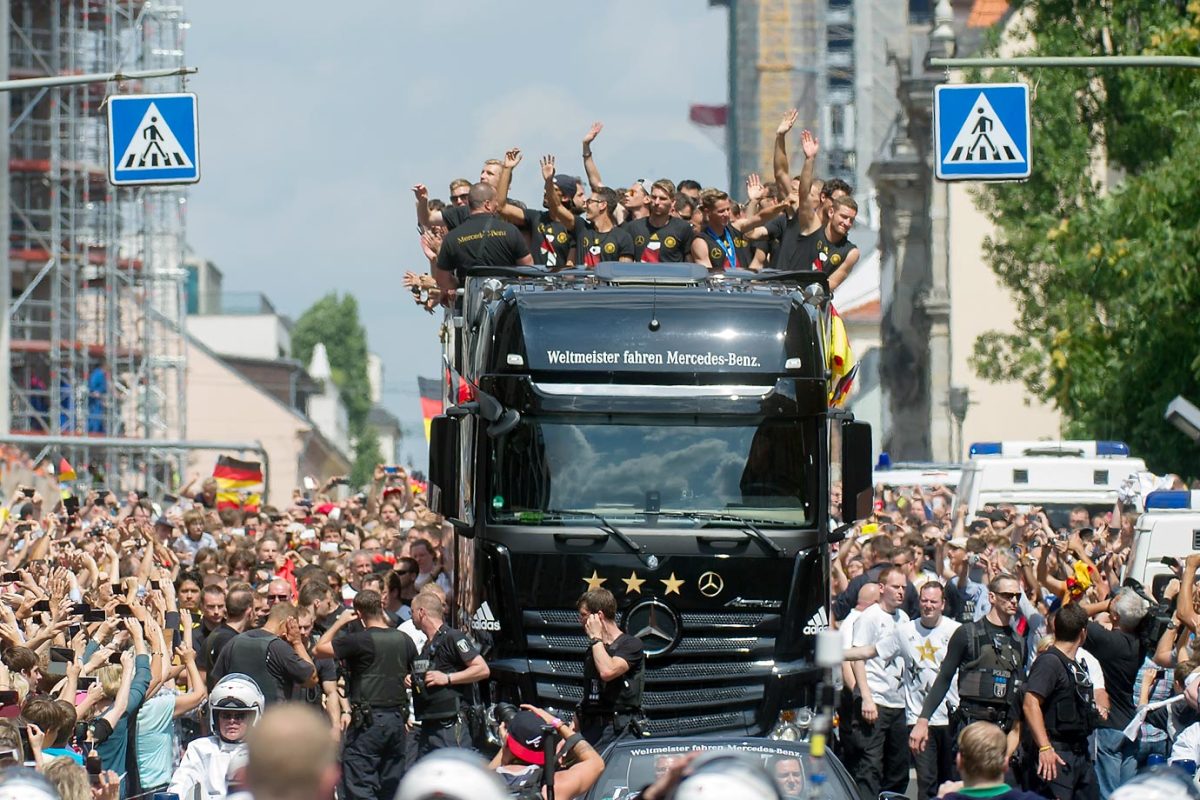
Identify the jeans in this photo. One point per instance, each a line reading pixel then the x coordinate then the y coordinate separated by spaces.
pixel 1116 760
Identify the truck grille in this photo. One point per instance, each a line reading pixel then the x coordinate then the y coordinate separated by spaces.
pixel 723 660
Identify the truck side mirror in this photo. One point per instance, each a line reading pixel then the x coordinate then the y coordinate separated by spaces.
pixel 443 465
pixel 857 478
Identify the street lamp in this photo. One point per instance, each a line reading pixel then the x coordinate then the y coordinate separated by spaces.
pixel 1184 416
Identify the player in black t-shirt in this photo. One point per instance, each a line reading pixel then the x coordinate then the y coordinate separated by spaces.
pixel 722 243
pixel 661 237
pixel 613 673
pixel 597 236
pixel 483 240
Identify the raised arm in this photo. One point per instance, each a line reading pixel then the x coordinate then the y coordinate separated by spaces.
pixel 804 209
pixel 425 217
pixel 511 159
pixel 783 176
pixel 1187 613
pixel 558 211
pixel 589 163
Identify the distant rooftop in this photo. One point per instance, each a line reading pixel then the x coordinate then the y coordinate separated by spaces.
pixel 240 304
pixel 986 13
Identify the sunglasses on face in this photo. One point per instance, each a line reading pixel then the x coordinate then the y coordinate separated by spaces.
pixel 460 198
pixel 1009 596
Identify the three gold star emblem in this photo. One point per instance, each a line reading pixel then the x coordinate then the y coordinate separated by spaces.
pixel 671 584
pixel 594 582
pixel 633 583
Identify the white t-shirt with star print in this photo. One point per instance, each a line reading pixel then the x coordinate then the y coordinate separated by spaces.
pixel 922 650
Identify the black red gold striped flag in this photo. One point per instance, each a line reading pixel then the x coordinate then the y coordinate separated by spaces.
pixel 234 475
pixel 431 401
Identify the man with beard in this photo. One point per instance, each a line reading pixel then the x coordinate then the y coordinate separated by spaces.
pixel 660 237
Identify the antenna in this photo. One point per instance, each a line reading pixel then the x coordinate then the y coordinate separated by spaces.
pixel 654 323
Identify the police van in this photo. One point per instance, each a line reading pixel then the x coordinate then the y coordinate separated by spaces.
pixel 1054 475
pixel 1169 528
pixel 926 474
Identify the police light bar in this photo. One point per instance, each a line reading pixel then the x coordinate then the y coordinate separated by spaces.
pixel 1172 499
pixel 1050 448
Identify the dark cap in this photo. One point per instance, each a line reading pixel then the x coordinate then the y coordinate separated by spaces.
pixel 164 522
pixel 525 737
pixel 567 185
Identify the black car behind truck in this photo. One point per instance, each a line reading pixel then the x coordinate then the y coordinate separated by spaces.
pixel 664 434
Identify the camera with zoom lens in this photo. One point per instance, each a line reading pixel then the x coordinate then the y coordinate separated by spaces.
pixel 504 713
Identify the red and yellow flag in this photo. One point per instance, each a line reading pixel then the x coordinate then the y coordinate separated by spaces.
pixel 431 401
pixel 232 476
pixel 65 471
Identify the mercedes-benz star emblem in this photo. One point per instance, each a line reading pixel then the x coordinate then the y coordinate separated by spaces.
pixel 656 624
pixel 710 584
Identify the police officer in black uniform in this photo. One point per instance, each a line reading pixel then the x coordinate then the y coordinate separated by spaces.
pixel 989 660
pixel 1060 711
pixel 378 658
pixel 613 673
pixel 448 662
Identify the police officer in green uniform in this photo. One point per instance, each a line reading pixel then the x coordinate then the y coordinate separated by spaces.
pixel 448 662
pixel 989 659
pixel 377 660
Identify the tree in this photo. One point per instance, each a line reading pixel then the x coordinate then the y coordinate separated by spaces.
pixel 333 321
pixel 1102 264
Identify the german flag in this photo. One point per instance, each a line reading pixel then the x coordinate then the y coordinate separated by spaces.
pixel 65 471
pixel 431 401
pixel 232 476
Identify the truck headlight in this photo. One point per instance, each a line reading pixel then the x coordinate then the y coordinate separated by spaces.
pixel 793 724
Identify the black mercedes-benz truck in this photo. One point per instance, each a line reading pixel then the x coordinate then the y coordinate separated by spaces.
pixel 666 435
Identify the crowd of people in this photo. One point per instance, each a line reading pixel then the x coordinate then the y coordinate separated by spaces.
pixel 794 222
pixel 1012 620
pixel 147 642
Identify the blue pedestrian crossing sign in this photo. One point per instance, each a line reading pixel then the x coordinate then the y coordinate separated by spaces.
pixel 982 131
pixel 153 139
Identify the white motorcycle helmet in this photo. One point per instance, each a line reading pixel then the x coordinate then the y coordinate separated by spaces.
pixel 235 692
pixel 22 783
pixel 451 774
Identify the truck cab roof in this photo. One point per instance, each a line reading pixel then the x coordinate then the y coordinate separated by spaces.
pixel 648 323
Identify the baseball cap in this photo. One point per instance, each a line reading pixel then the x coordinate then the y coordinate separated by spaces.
pixel 164 523
pixel 958 541
pixel 324 508
pixel 566 184
pixel 525 737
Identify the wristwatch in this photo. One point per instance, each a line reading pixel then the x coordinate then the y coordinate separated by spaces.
pixel 595 641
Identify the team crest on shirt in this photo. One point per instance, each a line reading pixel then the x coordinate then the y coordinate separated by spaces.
pixel 639 241
pixel 610 248
pixel 670 241
pixel 463 646
pixel 835 259
pixel 562 237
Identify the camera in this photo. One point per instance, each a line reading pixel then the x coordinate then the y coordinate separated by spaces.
pixel 504 713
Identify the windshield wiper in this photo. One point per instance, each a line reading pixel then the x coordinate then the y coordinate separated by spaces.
pixel 748 527
pixel 607 527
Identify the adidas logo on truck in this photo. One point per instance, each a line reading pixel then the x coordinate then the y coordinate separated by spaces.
pixel 484 620
pixel 819 622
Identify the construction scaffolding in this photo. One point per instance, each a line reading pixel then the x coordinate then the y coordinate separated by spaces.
pixel 97 317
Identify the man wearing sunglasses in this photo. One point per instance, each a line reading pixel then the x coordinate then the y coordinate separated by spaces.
pixel 988 659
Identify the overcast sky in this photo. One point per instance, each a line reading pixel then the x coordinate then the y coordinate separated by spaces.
pixel 317 118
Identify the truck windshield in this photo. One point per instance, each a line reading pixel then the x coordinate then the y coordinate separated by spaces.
pixel 626 470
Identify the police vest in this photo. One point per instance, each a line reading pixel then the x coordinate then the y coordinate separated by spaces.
pixel 991 673
pixel 248 655
pixel 435 702
pixel 1071 716
pixel 381 685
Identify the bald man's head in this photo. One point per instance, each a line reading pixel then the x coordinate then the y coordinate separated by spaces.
pixel 868 595
pixel 292 755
